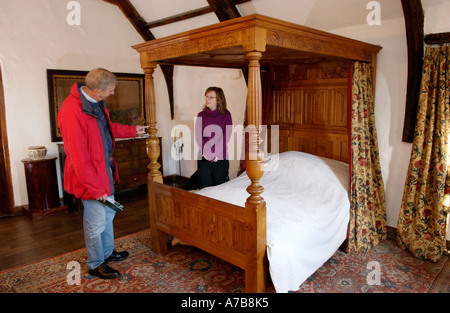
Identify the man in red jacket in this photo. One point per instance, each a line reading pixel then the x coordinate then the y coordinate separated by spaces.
pixel 90 168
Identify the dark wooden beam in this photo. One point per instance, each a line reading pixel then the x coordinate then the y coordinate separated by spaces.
pixel 437 39
pixel 414 22
pixel 140 25
pixel 224 9
pixel 180 17
pixel 134 17
pixel 189 14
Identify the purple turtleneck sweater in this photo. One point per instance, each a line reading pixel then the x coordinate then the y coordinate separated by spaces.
pixel 210 130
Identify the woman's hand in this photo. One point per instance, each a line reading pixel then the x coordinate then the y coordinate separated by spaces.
pixel 213 160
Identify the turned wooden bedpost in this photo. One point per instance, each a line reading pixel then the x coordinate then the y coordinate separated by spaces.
pixel 159 243
pixel 153 150
pixel 255 206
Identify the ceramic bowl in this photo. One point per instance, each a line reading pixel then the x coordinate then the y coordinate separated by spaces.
pixel 37 152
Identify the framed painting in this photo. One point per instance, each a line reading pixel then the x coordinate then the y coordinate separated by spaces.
pixel 126 106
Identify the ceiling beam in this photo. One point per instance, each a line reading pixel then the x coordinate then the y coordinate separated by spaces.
pixel 180 17
pixel 188 15
pixel 437 39
pixel 414 22
pixel 134 17
pixel 224 9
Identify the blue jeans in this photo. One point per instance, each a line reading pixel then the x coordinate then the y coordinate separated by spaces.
pixel 98 231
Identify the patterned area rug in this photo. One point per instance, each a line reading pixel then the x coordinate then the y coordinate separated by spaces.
pixel 182 270
pixel 386 268
pixel 186 269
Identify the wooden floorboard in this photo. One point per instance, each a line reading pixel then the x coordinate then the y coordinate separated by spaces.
pixel 23 241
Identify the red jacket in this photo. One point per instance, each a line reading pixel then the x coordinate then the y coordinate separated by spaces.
pixel 85 173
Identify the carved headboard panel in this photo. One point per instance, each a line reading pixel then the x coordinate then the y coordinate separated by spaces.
pixel 309 103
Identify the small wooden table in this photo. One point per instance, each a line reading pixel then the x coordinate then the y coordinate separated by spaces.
pixel 175 180
pixel 42 188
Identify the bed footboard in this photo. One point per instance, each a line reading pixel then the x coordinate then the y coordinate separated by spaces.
pixel 232 233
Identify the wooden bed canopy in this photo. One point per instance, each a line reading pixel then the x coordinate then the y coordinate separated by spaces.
pixel 232 233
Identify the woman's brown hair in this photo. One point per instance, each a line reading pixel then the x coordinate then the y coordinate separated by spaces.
pixel 220 98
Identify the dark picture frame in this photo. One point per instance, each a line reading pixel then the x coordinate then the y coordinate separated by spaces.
pixel 126 106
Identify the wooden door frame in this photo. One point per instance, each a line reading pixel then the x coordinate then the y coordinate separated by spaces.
pixel 9 207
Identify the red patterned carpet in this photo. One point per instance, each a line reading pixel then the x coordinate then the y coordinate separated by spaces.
pixel 397 272
pixel 183 269
pixel 189 270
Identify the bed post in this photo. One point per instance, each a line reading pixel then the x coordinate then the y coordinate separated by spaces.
pixel 159 243
pixel 255 206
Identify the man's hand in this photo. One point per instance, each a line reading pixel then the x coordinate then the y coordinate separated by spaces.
pixel 102 198
pixel 141 129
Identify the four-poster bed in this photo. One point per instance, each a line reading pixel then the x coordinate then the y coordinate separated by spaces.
pixel 235 233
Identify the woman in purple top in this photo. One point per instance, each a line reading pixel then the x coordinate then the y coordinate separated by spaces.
pixel 212 136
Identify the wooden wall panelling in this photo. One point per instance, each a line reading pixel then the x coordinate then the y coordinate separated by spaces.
pixel 339 109
pixel 284 107
pixel 312 110
pixel 306 107
pixel 321 107
pixel 331 144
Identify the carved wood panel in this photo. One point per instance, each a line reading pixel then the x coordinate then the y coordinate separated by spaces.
pixel 218 228
pixel 284 107
pixel 339 114
pixel 324 107
pixel 311 110
pixel 333 145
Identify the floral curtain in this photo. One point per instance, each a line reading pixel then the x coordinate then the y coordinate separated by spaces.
pixel 367 225
pixel 423 216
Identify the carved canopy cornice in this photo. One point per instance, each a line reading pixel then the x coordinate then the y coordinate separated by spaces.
pixel 225 44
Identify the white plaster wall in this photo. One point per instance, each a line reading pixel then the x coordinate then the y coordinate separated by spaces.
pixel 190 84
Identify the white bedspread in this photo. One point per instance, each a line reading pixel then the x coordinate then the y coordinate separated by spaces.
pixel 308 212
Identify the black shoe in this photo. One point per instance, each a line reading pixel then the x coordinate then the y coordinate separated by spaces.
pixel 117 256
pixel 105 272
